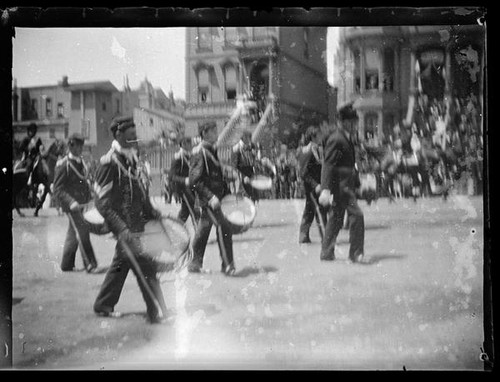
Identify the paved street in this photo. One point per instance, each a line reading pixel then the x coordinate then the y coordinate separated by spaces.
pixel 416 304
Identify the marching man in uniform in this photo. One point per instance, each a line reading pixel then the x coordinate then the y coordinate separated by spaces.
pixel 179 179
pixel 206 176
pixel 72 189
pixel 123 202
pixel 310 163
pixel 338 188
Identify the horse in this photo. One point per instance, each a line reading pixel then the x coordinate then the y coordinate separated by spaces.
pixel 42 174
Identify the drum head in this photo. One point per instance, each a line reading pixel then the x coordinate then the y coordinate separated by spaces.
pixel 261 182
pixel 239 211
pixel 166 241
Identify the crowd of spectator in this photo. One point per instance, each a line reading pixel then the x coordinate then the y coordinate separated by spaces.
pixel 440 150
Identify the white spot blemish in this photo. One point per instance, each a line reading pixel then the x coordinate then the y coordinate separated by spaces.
pixel 104 325
pixel 282 254
pixel 464 203
pixel 118 51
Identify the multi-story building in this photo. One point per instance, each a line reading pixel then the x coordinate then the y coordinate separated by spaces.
pixel 91 114
pixel 287 64
pixel 88 108
pixel 62 109
pixel 47 106
pixel 381 68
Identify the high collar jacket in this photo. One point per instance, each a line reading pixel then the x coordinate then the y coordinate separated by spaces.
pixel 338 171
pixel 206 173
pixel 120 195
pixel 71 182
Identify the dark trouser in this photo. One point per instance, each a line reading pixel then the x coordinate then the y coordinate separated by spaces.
pixel 312 210
pixel 347 202
pixel 224 238
pixel 74 239
pixel 188 208
pixel 144 269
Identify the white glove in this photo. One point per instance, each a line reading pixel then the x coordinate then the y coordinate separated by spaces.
pixel 246 180
pixel 325 198
pixel 74 206
pixel 186 181
pixel 317 189
pixel 214 202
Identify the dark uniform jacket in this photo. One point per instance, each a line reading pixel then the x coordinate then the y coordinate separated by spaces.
pixel 206 173
pixel 243 158
pixel 70 182
pixel 179 171
pixel 338 173
pixel 310 167
pixel 120 196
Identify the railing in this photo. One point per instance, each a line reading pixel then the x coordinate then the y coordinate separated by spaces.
pixel 212 109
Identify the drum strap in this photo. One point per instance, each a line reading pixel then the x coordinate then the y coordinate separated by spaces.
pixel 78 173
pixel 212 158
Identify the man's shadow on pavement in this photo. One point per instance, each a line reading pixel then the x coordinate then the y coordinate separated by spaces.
pixel 247 271
pixel 238 239
pixel 378 257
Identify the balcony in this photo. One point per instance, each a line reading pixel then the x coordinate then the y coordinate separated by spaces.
pixel 214 109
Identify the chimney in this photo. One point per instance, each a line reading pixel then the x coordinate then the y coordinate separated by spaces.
pixel 65 81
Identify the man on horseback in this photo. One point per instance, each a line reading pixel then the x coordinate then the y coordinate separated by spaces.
pixel 31 148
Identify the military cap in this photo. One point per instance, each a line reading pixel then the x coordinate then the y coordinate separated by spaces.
pixel 76 137
pixel 347 112
pixel 121 124
pixel 205 127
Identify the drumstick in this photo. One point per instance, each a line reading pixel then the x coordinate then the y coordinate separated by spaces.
pixel 140 275
pixel 80 242
pixel 322 229
pixel 220 236
pixel 165 231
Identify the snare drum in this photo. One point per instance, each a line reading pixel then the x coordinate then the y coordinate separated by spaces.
pixel 261 182
pixel 238 211
pixel 166 241
pixel 94 219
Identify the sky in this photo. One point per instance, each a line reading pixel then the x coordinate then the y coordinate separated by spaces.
pixel 42 56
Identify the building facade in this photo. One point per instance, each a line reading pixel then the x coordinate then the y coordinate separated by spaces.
pixel 284 64
pixel 88 108
pixel 47 106
pixel 91 114
pixel 381 68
